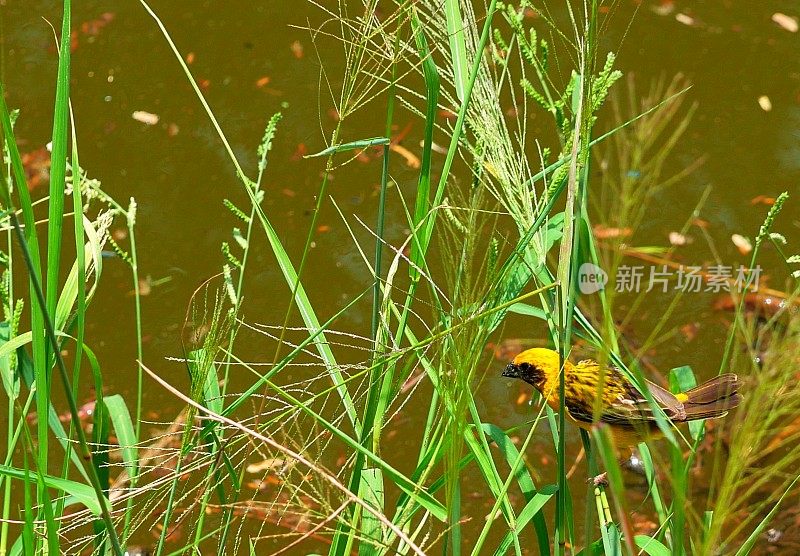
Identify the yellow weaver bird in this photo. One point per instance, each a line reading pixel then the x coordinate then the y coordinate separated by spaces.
pixel 622 406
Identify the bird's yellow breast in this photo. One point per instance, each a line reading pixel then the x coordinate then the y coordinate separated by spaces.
pixel 583 383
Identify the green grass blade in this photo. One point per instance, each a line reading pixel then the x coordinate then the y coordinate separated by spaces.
pixel 41 369
pixel 458 47
pixel 351 146
pixel 83 494
pixel 532 510
pixel 371 492
pixel 58 166
pixel 432 84
pixel 651 546
pixel 605 443
pixel 747 546
pixel 401 481
pixel 9 375
pixel 124 429
pixel 53 421
pixel 526 485
pixel 311 338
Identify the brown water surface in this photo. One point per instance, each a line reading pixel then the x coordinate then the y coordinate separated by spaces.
pixel 248 59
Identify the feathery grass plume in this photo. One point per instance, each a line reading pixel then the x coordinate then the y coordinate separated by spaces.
pixel 754 467
pixel 467 233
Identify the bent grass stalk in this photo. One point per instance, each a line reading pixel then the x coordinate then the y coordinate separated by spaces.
pixel 286 451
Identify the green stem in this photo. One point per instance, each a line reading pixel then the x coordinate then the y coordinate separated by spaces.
pixel 86 452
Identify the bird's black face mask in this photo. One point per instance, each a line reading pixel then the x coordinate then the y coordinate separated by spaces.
pixel 525 371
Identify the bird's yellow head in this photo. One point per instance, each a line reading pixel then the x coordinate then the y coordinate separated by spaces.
pixel 534 366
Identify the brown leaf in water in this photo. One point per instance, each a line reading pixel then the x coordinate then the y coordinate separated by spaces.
pixel 147 118
pixel 412 381
pixel 145 286
pixel 411 159
pixel 786 432
pixel 786 22
pixel 94 26
pixel 297 49
pixel 757 303
pixel 400 135
pixel 762 200
pixel 665 7
pixel 602 231
pixel 37 167
pixel 262 82
pixel 643 524
pixel 268 464
pixel 678 239
pixel 742 244
pixel 299 152
pixel 190 57
pixel 89 29
pixel 689 331
pixel 323 228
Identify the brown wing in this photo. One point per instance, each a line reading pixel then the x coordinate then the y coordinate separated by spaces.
pixel 713 398
pixel 632 407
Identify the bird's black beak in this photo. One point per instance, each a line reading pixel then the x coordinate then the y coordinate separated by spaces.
pixel 511 371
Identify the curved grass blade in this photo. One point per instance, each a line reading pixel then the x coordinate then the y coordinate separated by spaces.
pixel 458 46
pixel 651 546
pixel 351 146
pixel 123 427
pixel 745 549
pixel 82 493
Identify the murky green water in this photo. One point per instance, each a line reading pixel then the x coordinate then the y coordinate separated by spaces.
pixel 244 57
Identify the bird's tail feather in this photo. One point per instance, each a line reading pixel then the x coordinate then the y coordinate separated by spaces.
pixel 713 398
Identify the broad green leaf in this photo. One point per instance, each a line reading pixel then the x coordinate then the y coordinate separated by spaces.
pixel 651 546
pixel 534 505
pixel 528 310
pixel 526 485
pixel 371 492
pixel 458 46
pixel 26 372
pixel 81 493
pixel 123 426
pixel 69 292
pixel 532 509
